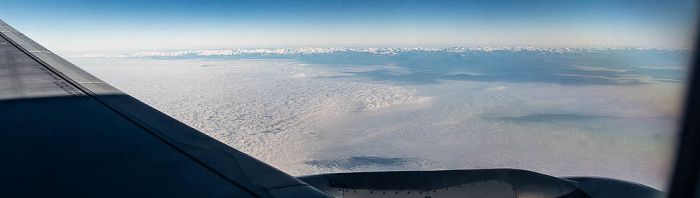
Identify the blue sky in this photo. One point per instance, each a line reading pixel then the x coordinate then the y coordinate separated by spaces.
pixel 110 26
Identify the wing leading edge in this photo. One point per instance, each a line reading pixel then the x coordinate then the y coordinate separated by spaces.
pixel 68 133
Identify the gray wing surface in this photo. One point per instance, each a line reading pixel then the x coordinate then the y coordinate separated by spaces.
pixel 66 133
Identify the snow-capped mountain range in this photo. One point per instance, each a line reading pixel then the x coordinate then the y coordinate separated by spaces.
pixel 385 51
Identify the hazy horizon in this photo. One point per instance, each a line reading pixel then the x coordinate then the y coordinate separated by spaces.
pixel 104 26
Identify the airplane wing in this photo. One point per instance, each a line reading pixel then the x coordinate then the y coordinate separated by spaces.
pixel 66 133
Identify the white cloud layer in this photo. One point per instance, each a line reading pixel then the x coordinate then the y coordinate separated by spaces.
pixel 587 68
pixel 298 118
